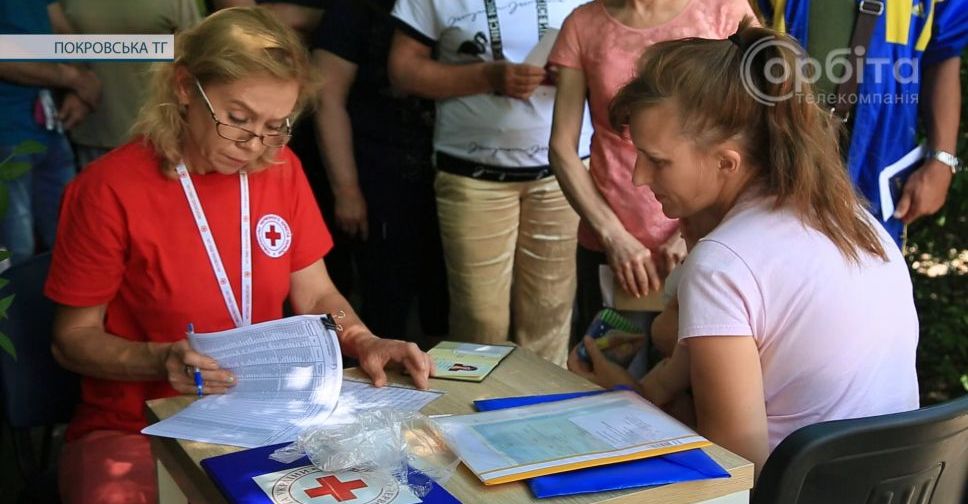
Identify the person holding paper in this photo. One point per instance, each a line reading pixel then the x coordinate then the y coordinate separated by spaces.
pixel 909 89
pixel 508 233
pixel 797 307
pixel 206 218
pixel 621 225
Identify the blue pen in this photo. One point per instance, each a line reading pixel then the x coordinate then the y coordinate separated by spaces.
pixel 199 382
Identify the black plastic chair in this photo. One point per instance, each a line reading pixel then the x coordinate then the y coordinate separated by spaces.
pixel 915 457
pixel 36 393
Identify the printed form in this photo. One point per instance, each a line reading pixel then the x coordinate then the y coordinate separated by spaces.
pixel 516 443
pixel 289 375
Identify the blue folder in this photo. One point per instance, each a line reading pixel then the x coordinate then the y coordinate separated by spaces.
pixel 689 465
pixel 233 474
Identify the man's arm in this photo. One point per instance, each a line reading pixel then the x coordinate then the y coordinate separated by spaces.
pixel 58 21
pixel 927 188
pixel 56 75
pixel 334 134
pixel 414 71
pixel 312 292
pixel 298 17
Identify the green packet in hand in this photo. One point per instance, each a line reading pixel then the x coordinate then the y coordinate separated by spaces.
pixel 608 329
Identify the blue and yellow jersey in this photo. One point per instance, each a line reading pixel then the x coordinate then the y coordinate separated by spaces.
pixel 907 36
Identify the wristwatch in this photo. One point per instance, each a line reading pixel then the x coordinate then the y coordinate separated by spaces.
pixel 948 159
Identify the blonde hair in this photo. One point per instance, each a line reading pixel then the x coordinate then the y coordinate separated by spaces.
pixel 793 144
pixel 229 45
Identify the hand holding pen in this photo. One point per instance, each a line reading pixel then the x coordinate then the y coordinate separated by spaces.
pixel 190 372
pixel 197 374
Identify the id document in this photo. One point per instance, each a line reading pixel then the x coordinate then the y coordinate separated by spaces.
pixel 466 361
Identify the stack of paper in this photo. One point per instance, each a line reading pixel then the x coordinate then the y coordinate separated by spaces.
pixel 289 375
pixel 529 441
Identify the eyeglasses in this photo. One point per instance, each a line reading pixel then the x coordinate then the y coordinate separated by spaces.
pixel 242 135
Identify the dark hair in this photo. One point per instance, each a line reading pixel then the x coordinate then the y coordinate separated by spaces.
pixel 792 144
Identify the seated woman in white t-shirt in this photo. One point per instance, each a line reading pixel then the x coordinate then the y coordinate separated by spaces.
pixel 796 306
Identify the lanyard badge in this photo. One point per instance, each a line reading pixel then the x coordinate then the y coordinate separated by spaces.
pixel 241 317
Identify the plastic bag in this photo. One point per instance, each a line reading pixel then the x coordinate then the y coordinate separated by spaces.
pixel 383 443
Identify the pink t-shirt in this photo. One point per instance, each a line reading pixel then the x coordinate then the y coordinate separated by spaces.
pixel 836 340
pixel 607 51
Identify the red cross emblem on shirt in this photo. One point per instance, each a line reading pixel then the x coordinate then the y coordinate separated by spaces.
pixel 272 235
pixel 331 485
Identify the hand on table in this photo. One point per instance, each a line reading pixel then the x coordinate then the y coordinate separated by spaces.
pixel 375 353
pixel 180 364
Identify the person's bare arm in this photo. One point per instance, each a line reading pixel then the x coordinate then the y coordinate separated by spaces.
pixel 81 344
pixel 665 329
pixel 58 21
pixel 668 379
pixel 57 75
pixel 630 261
pixel 927 188
pixel 312 292
pixel 414 71
pixel 727 388
pixel 301 18
pixel 334 133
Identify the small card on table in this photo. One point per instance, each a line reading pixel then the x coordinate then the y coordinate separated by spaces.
pixel 466 361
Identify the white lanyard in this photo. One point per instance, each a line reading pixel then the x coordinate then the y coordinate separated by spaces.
pixel 245 317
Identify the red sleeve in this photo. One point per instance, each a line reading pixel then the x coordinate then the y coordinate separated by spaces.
pixel 567 49
pixel 92 242
pixel 310 236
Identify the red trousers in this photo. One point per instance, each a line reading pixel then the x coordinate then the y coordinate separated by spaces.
pixel 110 467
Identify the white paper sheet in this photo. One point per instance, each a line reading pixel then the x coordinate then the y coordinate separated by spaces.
pixel 289 373
pixel 358 396
pixel 290 376
pixel 540 52
pixel 884 179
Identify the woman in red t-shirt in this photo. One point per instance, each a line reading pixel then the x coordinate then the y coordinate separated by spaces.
pixel 150 241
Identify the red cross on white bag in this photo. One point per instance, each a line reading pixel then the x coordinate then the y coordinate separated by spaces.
pixel 331 485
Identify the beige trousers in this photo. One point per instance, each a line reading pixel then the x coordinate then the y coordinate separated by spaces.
pixel 510 254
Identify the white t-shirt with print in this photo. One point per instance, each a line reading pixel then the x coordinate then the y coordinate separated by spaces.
pixel 836 340
pixel 487 128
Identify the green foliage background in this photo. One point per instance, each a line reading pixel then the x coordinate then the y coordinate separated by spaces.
pixel 9 170
pixel 942 300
